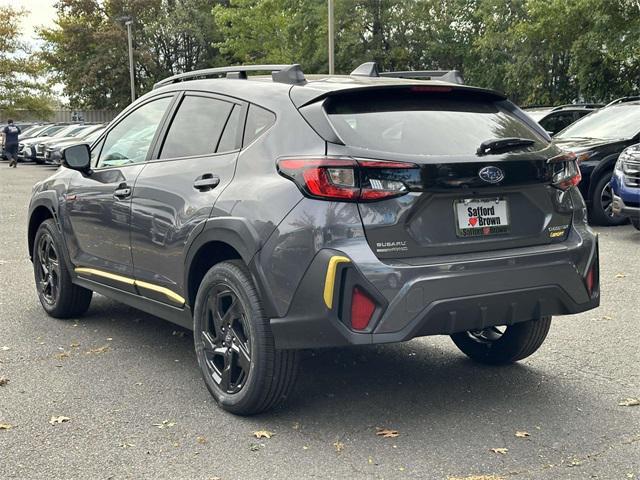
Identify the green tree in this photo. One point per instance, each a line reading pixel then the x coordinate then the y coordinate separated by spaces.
pixel 22 92
pixel 87 49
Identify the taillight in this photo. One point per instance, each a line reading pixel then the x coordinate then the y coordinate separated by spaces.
pixel 362 308
pixel 566 172
pixel 348 179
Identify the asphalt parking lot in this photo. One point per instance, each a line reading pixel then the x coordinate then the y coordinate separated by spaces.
pixel 129 385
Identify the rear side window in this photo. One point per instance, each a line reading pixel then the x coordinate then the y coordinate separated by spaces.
pixel 229 140
pixel 422 123
pixel 258 121
pixel 196 127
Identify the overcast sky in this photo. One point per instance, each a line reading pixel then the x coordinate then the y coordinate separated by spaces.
pixel 40 12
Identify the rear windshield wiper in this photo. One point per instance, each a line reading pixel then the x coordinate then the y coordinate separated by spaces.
pixel 496 145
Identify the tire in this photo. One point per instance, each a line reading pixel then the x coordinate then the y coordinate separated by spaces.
pixel 491 346
pixel 601 213
pixel 234 345
pixel 636 223
pixel 58 295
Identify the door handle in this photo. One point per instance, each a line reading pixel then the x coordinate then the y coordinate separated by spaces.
pixel 122 192
pixel 206 182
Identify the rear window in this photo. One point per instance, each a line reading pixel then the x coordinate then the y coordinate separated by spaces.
pixel 421 123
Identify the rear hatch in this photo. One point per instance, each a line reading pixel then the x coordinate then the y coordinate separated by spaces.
pixel 459 189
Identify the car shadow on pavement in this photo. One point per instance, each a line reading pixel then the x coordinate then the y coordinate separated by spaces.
pixel 368 385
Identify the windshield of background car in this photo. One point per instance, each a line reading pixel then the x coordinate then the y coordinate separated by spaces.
pixel 415 122
pixel 619 121
pixel 50 130
pixel 93 136
pixel 537 115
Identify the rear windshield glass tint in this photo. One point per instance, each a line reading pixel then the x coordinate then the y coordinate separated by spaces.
pixel 419 123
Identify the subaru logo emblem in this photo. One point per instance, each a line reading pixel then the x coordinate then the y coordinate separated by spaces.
pixel 491 174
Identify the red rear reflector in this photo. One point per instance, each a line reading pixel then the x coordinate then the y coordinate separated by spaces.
pixel 589 280
pixel 362 308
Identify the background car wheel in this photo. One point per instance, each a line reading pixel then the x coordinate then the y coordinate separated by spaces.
pixel 636 223
pixel 601 206
pixel 503 345
pixel 234 345
pixel 58 295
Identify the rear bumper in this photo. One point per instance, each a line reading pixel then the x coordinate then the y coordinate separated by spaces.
pixel 444 298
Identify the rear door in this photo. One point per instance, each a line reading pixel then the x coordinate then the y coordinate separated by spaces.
pixel 457 199
pixel 175 192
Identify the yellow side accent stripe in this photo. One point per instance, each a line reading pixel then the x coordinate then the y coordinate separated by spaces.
pixel 330 279
pixel 165 291
pixel 110 276
pixel 130 281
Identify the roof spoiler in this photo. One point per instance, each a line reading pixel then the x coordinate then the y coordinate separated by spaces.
pixel 290 74
pixel 370 69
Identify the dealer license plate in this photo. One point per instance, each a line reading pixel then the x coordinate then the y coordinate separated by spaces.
pixel 479 217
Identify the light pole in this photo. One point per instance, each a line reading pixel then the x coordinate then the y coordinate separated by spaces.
pixel 128 23
pixel 331 40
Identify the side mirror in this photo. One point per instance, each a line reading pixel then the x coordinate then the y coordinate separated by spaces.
pixel 77 157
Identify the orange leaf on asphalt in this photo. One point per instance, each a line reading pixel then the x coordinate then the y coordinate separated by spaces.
pixel 501 450
pixel 263 434
pixel 522 434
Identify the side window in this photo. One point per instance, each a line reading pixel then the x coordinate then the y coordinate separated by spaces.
pixel 129 141
pixel 258 121
pixel 196 127
pixel 229 139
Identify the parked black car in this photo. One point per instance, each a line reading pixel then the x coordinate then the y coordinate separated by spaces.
pixel 598 139
pixel 272 214
pixel 556 119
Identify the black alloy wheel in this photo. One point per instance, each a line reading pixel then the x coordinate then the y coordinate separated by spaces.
pixel 59 296
pixel 47 263
pixel 240 364
pixel 226 340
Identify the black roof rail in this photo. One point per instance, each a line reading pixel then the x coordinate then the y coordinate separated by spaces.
pixel 370 69
pixel 623 100
pixel 291 74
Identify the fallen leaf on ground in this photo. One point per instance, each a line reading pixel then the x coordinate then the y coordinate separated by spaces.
pixel 57 420
pixel 3 381
pixel 164 424
pixel 103 349
pixel 501 451
pixel 263 434
pixel 61 355
pixel 629 402
pixel 607 317
pixel 201 440
pixel 127 445
pixel 621 275
pixel 74 345
pixel 4 349
pixel 522 434
pixel 338 445
pixel 5 426
pixel 386 433
pixel 254 447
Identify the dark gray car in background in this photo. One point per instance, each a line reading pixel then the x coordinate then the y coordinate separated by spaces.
pixel 275 213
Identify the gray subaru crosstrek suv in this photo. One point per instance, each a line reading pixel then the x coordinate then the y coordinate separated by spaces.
pixel 276 213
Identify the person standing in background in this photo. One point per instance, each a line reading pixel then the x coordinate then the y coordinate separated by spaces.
pixel 10 134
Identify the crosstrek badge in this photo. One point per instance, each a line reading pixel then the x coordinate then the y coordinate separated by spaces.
pixel 477 217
